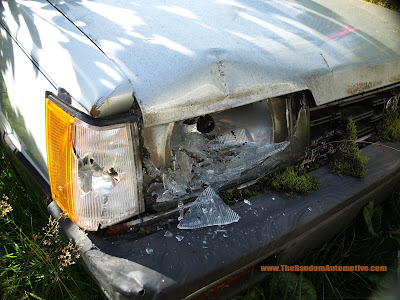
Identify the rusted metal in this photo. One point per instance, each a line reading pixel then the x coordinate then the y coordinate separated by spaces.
pixel 360 87
pixel 120 100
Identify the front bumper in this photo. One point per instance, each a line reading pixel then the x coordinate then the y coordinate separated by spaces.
pixel 157 267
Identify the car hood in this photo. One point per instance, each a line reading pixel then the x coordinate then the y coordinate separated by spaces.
pixel 189 58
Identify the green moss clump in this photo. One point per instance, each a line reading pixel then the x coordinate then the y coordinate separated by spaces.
pixel 388 129
pixel 233 195
pixel 291 181
pixel 347 159
pixel 350 131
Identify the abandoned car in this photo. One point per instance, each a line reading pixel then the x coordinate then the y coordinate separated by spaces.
pixel 137 114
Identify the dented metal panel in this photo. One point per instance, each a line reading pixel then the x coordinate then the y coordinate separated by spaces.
pixel 120 100
pixel 186 59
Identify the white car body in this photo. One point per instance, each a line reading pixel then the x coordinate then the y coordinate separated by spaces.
pixel 171 63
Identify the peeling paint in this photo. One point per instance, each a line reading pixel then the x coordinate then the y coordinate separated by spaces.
pixel 120 100
pixel 94 111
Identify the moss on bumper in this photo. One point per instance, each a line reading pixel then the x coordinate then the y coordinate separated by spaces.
pixel 388 129
pixel 347 160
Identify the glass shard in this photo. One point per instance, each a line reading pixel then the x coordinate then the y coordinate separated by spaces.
pixel 208 210
pixel 247 202
pixel 234 138
pixel 168 234
pixel 238 147
pixel 181 210
pixel 179 237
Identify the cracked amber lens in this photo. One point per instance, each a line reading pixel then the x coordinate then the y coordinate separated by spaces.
pixel 59 156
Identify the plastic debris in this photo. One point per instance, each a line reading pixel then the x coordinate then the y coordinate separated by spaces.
pixel 208 210
pixel 168 234
pixel 247 202
pixel 174 183
pixel 185 165
pixel 309 208
pixel 179 237
pixel 181 210
pixel 149 250
pixel 166 196
pixel 234 138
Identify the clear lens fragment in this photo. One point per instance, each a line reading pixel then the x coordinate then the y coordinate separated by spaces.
pixel 208 210
pixel 234 138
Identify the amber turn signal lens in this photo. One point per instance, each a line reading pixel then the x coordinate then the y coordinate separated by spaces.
pixel 59 155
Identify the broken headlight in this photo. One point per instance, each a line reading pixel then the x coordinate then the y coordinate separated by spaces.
pixel 95 174
pixel 213 150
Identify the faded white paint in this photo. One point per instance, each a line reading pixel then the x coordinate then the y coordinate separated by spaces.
pixel 188 58
pixel 34 34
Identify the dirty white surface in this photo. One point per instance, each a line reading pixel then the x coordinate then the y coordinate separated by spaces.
pixel 41 51
pixel 189 58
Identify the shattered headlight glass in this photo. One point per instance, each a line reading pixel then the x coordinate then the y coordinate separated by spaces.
pixel 94 171
pixel 214 150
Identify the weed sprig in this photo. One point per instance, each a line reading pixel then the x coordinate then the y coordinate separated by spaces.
pixel 35 262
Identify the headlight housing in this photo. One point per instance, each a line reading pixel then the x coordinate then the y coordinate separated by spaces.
pixel 95 173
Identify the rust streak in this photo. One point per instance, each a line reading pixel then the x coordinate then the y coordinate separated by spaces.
pixel 395 79
pixel 95 112
pixel 361 87
pixel 117 229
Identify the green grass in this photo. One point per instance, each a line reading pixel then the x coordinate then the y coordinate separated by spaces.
pixel 373 239
pixel 35 263
pixel 391 4
pixel 34 260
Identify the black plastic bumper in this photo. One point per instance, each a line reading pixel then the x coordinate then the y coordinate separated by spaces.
pixel 159 267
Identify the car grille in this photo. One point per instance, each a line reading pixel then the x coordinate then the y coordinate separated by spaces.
pixel 365 110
